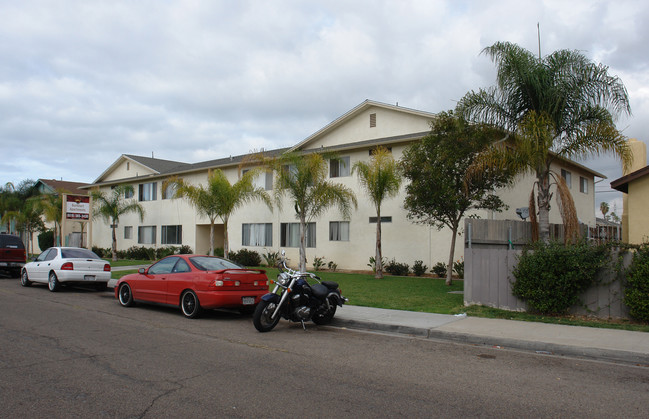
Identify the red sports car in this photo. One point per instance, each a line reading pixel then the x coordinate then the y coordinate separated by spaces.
pixel 194 282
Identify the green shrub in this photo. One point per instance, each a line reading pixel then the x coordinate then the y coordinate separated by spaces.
pixel 318 263
pixel 372 263
pixel 162 252
pixel 398 269
pixel 46 239
pixel 271 258
pixel 636 293
pixel 139 253
pixel 550 276
pixel 245 257
pixel 220 252
pixel 458 267
pixel 439 269
pixel 419 268
pixel 185 250
pixel 332 266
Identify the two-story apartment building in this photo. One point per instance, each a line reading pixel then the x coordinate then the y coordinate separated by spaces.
pixel 349 243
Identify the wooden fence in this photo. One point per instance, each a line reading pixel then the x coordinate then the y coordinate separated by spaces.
pixel 490 255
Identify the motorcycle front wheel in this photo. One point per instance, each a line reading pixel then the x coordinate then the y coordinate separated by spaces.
pixel 261 318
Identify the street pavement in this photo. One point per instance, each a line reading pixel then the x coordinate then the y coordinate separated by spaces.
pixel 548 339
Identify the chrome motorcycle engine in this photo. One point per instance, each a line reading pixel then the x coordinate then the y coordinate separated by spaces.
pixel 303 313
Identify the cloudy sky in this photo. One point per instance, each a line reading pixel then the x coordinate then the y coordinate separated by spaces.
pixel 82 82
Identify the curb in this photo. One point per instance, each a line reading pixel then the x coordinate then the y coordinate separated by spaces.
pixel 541 348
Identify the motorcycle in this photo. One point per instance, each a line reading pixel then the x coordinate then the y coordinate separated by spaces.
pixel 297 300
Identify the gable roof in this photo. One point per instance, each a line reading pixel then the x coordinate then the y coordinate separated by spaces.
pixel 622 184
pixel 353 113
pixel 157 166
pixel 53 186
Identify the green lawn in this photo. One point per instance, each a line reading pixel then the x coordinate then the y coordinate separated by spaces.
pixel 430 295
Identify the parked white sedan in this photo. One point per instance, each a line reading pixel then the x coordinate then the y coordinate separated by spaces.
pixel 58 265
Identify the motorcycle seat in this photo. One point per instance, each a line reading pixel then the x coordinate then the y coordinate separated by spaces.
pixel 319 291
pixel 330 284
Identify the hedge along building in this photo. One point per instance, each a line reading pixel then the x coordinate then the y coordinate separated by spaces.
pixel 348 243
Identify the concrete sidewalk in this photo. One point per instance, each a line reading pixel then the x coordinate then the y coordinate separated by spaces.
pixel 550 339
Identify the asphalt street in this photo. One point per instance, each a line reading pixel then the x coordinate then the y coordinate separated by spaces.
pixel 78 353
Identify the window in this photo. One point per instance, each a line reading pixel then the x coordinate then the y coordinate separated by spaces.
pixel 169 191
pixel 263 180
pixel 290 168
pixel 339 231
pixel 128 193
pixel 172 235
pixel 148 191
pixel 290 233
pixel 583 184
pixel 383 219
pixel 372 120
pixel 567 176
pixel 339 167
pixel 146 235
pixel 257 234
pixel 165 266
pixel 128 232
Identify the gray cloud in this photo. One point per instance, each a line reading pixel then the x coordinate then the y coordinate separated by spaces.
pixel 83 82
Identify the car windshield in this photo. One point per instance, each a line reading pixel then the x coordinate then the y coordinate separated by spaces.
pixel 78 254
pixel 207 263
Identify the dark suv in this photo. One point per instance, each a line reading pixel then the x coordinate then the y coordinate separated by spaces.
pixel 12 255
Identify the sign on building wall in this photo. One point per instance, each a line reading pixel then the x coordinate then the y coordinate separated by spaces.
pixel 77 207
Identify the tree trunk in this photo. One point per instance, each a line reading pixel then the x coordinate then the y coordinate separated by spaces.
pixel 451 256
pixel 302 243
pixel 226 242
pixel 543 201
pixel 211 252
pixel 378 261
pixel 114 248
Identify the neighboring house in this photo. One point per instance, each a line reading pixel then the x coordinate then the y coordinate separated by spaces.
pixel 635 186
pixel 349 243
pixel 72 230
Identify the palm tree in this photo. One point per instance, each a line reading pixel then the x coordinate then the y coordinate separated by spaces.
pixel 28 219
pixel 112 207
pixel 558 106
pixel 220 198
pixel 52 207
pixel 603 207
pixel 303 179
pixel 381 179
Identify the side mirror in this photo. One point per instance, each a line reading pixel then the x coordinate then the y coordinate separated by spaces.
pixel 142 271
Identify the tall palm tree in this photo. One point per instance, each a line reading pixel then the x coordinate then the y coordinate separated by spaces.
pixel 303 179
pixel 381 179
pixel 559 106
pixel 220 198
pixel 112 207
pixel 603 207
pixel 52 207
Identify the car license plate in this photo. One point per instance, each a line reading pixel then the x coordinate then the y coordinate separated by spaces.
pixel 88 277
pixel 248 301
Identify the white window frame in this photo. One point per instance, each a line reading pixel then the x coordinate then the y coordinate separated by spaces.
pixel 290 235
pixel 177 235
pixel 257 234
pixel 339 231
pixel 146 235
pixel 148 191
pixel 339 167
pixel 583 184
